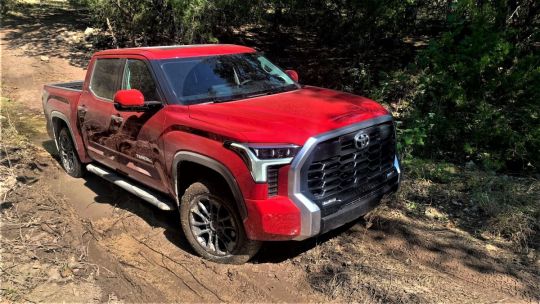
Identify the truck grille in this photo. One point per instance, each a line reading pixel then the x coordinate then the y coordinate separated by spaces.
pixel 339 173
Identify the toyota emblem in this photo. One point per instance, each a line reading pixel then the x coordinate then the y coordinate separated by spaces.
pixel 361 140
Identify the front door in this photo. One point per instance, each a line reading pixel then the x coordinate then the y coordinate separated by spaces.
pixel 136 140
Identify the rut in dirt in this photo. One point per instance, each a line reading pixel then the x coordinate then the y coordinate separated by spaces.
pixel 128 251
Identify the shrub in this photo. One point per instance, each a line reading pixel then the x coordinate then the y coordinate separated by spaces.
pixel 478 92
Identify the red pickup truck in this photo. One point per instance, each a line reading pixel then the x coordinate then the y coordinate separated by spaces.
pixel 235 144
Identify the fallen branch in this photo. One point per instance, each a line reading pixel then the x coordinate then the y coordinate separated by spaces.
pixel 98 267
pixel 181 265
pixel 109 26
pixel 171 271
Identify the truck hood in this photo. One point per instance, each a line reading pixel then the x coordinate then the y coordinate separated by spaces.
pixel 290 117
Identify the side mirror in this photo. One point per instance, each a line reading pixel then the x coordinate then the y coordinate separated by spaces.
pixel 293 74
pixel 128 100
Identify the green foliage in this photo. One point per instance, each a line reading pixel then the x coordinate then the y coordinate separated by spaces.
pixel 472 94
pixel 5 6
pixel 439 172
pixel 136 23
pixel 359 24
pixel 477 93
pixel 161 22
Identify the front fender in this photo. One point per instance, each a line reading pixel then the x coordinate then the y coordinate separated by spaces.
pixel 214 165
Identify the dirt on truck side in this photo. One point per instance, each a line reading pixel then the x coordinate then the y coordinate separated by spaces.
pixel 85 240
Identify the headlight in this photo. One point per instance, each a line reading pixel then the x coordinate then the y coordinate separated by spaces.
pixel 263 152
pixel 258 157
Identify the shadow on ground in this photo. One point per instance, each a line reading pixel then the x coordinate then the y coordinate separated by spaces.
pixel 398 258
pixel 49 29
pixel 399 241
pixel 107 193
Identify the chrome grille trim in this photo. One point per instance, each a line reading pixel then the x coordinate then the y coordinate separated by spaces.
pixel 310 222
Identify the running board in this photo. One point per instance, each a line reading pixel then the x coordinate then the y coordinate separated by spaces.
pixel 146 194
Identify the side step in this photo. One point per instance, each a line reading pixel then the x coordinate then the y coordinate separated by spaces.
pixel 148 195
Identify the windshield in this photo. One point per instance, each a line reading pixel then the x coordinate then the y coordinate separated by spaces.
pixel 224 78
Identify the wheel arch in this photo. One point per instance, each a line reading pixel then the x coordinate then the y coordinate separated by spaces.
pixel 185 159
pixel 58 120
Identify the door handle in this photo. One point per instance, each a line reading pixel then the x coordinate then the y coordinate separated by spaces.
pixel 81 110
pixel 117 119
pixel 81 113
pixel 116 122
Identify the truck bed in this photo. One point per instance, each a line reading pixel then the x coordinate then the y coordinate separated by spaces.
pixel 72 85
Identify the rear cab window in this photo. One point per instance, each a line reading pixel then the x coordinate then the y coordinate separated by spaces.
pixel 104 81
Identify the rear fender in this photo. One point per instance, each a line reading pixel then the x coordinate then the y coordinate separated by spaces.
pixel 77 139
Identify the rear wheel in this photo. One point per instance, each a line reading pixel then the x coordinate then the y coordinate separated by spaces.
pixel 68 154
pixel 213 227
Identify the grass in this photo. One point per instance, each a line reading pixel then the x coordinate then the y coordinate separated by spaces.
pixel 14 146
pixel 7 125
pixel 486 204
pixel 22 121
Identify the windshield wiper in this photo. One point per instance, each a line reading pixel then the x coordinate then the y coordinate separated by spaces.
pixel 282 89
pixel 232 98
pixel 256 95
pixel 251 95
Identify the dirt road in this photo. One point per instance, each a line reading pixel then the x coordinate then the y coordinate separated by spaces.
pixel 134 252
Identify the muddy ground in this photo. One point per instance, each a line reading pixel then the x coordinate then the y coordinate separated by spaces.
pixel 66 239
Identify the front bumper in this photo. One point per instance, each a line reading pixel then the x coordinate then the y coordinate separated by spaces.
pixel 357 208
pixel 272 219
pixel 279 218
pixel 293 216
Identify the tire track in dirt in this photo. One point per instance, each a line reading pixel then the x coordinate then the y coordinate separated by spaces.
pixel 147 258
pixel 397 260
pixel 141 247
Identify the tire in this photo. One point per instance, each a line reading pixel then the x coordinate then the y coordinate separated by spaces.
pixel 68 154
pixel 213 227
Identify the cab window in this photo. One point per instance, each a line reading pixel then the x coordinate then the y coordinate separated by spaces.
pixel 138 76
pixel 104 77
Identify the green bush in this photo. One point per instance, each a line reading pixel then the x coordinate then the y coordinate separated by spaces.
pixel 162 22
pixel 5 6
pixel 473 94
pixel 477 96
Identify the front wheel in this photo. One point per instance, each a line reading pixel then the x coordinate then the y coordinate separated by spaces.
pixel 68 154
pixel 213 227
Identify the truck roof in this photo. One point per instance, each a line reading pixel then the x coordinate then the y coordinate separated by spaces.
pixel 180 51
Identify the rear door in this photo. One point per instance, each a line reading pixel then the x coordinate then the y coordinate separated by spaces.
pixel 96 105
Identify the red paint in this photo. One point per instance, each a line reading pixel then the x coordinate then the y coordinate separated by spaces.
pixel 293 74
pixel 167 52
pixel 288 118
pixel 129 98
pixel 272 219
